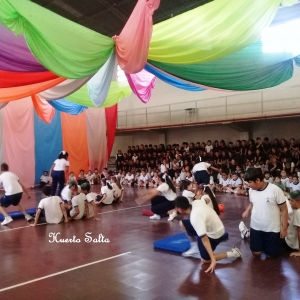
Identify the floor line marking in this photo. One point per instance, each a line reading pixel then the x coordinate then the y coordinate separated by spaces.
pixel 101 213
pixel 61 272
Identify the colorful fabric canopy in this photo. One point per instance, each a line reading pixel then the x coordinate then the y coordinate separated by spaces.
pixel 211 31
pixel 43 109
pixel 74 52
pixel 66 106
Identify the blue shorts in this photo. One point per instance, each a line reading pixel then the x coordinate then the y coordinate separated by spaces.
pixel 14 200
pixel 191 232
pixel 267 242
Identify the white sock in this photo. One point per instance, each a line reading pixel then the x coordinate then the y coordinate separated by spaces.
pixel 230 254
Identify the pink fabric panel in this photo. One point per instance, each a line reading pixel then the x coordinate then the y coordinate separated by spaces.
pixel 18 139
pixel 132 45
pixel 142 84
pixel 96 135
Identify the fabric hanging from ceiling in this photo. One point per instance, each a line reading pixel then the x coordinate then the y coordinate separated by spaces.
pixel 43 109
pixel 98 85
pixel 64 89
pixel 14 79
pixel 3 104
pixel 18 139
pixel 15 93
pixel 75 141
pixel 142 84
pixel 66 106
pixel 48 144
pixel 111 126
pixel 211 31
pixel 172 80
pixel 96 136
pixel 248 69
pixel 116 92
pixel 132 45
pixel 74 52
pixel 1 137
pixel 15 55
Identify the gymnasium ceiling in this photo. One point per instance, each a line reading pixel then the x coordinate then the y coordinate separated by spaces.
pixel 109 16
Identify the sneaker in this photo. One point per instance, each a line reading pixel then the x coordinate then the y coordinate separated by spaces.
pixel 28 218
pixel 172 215
pixel 245 233
pixel 7 220
pixel 155 217
pixel 236 252
pixel 194 250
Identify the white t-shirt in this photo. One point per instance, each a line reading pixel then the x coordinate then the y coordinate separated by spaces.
pixel 51 206
pixel 266 212
pixel 177 180
pixel 270 180
pixel 182 175
pixel 288 184
pixel 292 237
pixel 285 180
pixel 143 178
pixel 61 164
pixel 189 195
pixel 235 183
pixel 294 187
pixel 66 193
pixel 224 182
pixel 205 220
pixel 207 201
pixel 129 177
pixel 191 179
pixel 90 197
pixel 109 195
pixel 167 192
pixel 78 201
pixel 89 177
pixel 116 189
pixel 44 178
pixel 163 168
pixel 201 166
pixel 10 183
pixel 208 148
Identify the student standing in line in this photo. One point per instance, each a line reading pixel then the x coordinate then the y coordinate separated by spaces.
pixel 269 215
pixel 60 173
pixel 13 194
pixel 206 224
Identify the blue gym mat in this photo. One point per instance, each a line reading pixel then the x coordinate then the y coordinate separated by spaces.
pixel 177 243
pixel 18 214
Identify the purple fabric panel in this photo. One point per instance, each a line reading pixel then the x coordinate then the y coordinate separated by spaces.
pixel 15 56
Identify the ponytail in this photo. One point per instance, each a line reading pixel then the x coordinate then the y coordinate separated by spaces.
pixel 108 185
pixel 117 181
pixel 212 197
pixel 168 181
pixel 184 185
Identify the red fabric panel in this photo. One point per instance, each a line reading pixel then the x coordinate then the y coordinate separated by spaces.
pixel 111 125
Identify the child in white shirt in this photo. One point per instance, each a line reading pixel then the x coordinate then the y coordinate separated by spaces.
pixel 79 205
pixel 89 177
pixel 223 183
pixel 45 179
pixel 72 177
pixel 143 180
pixel 187 190
pixel 176 180
pixel 268 178
pixel 295 185
pixel 117 188
pixel 91 209
pixel 208 146
pixel 235 184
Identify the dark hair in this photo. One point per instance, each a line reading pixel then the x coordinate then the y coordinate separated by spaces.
pixel 95 169
pixel 63 154
pixel 254 173
pixel 182 202
pixel 86 187
pixel 73 183
pixel 47 190
pixel 45 171
pixel 212 197
pixel 106 183
pixel 168 181
pixel 295 195
pixel 184 184
pixel 82 171
pixel 4 167
pixel 116 179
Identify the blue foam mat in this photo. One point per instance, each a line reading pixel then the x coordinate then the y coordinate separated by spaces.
pixel 18 214
pixel 177 243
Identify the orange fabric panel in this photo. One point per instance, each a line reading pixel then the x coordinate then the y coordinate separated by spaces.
pixel 75 141
pixel 43 109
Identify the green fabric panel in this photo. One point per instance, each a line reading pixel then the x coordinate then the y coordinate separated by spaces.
pixel 248 69
pixel 212 31
pixel 62 46
pixel 116 92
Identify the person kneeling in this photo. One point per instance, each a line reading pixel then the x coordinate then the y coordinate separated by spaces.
pixel 208 227
pixel 51 208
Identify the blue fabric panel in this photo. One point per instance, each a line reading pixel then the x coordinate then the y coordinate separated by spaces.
pixel 67 106
pixel 48 143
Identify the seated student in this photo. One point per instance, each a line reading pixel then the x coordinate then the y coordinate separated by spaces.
pixel 107 193
pixel 89 177
pixel 182 175
pixel 143 180
pixel 66 193
pixel 235 184
pixel 269 215
pixel 129 179
pixel 44 180
pixel 295 185
pixel 72 177
pixel 206 224
pixel 79 205
pixel 117 189
pixel 223 183
pixel 277 182
pixel 136 178
pixel 81 178
pixel 187 188
pixel 284 178
pixel 292 240
pixel 268 178
pixel 190 177
pixel 154 180
pixel 51 208
pixel 176 180
pixel 91 209
pixel 96 178
pixel 288 183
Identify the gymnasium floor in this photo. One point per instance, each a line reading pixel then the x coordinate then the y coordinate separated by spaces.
pixel 128 267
